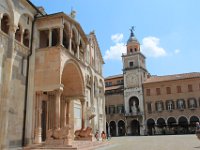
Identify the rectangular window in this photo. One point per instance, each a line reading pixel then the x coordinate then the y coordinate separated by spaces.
pixel 149 109
pixel 168 89
pixel 148 92
pixel 190 88
pixel 159 106
pixel 120 109
pixel 158 91
pixel 178 89
pixel 111 109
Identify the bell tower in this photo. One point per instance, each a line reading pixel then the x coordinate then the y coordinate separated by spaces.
pixel 135 73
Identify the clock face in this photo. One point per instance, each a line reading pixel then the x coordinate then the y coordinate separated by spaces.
pixel 132 80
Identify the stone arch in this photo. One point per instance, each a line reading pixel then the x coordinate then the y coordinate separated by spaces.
pixel 182 120
pixel 74 40
pixel 171 121
pixel 193 120
pixel 5 23
pixel 66 35
pixel 121 128
pixel 150 126
pixel 160 122
pixel 134 104
pixel 18 33
pixel 26 37
pixel 72 79
pixel 113 127
pixel 135 127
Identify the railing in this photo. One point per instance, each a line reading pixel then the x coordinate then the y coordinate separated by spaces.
pixel 134 114
pixel 21 48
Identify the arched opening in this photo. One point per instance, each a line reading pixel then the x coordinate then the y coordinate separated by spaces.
pixel 107 133
pixel 135 127
pixel 72 80
pixel 182 125
pixel 26 38
pixel 161 126
pixel 134 105
pixel 172 125
pixel 18 33
pixel 113 128
pixel 150 126
pixel 66 36
pixel 55 37
pixel 74 42
pixel 121 128
pixel 192 126
pixel 5 24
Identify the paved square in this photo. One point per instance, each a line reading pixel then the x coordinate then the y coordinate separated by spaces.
pixel 167 142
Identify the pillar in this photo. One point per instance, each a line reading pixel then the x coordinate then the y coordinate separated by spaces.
pixel 38 113
pixel 70 41
pixel 117 129
pixel 83 113
pixel 50 37
pixel 68 141
pixel 61 35
pixel 58 93
pixel 1 16
pixel 65 114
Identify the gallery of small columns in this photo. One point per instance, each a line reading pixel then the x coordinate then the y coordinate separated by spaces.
pixel 53 113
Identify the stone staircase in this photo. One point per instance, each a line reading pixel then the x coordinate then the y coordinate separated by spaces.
pixel 77 145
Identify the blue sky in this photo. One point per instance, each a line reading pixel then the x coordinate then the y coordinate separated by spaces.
pixel 168 30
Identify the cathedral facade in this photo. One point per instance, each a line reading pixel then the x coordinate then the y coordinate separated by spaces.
pixel 138 103
pixel 51 82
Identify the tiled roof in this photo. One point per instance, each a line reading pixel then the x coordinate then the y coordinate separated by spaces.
pixel 172 77
pixel 114 76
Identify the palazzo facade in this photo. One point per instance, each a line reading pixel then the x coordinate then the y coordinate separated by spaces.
pixel 138 103
pixel 51 81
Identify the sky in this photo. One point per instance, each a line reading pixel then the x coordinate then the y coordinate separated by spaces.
pixel 168 31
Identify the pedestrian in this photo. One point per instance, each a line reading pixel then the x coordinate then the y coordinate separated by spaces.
pixel 97 135
pixel 198 130
pixel 103 136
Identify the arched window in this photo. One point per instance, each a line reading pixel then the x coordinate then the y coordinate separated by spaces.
pixel 26 38
pixel 5 24
pixel 18 33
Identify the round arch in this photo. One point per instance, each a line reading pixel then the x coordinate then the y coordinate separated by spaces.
pixel 192 124
pixel 171 121
pixel 121 128
pixel 112 128
pixel 133 104
pixel 150 126
pixel 72 79
pixel 182 125
pixel 161 122
pixel 135 127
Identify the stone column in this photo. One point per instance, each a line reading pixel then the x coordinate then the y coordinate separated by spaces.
pixel 38 113
pixel 70 41
pixel 65 114
pixel 58 93
pixel 50 37
pixel 83 115
pixel 68 141
pixel 22 36
pixel 1 16
pixel 117 129
pixel 61 35
pixel 78 50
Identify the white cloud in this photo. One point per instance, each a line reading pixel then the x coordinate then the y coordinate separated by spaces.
pixel 116 38
pixel 150 47
pixel 115 52
pixel 176 51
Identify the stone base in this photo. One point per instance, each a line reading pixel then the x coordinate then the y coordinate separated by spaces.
pixel 59 142
pixel 85 138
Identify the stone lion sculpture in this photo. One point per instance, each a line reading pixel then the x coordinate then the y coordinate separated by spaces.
pixel 83 133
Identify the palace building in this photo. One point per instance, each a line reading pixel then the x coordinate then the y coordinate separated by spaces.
pixel 51 83
pixel 140 104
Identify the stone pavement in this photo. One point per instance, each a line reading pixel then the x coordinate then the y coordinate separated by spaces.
pixel 167 142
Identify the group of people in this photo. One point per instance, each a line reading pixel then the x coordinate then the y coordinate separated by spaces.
pixel 103 136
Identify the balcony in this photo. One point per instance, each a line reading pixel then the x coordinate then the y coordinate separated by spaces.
pixel 132 114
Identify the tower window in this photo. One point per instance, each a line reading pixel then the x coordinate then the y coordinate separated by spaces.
pixel 131 50
pixel 135 49
pixel 131 64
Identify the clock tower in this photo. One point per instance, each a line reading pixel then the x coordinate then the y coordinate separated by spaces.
pixel 134 72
